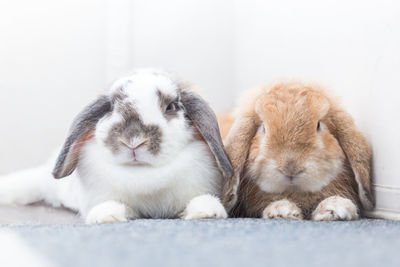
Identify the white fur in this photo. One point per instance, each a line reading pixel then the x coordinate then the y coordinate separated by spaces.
pixel 335 208
pixel 313 179
pixel 23 186
pixel 108 212
pixel 274 182
pixel 107 188
pixel 205 207
pixel 156 192
pixel 282 209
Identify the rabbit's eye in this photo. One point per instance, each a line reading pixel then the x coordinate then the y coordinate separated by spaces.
pixel 318 126
pixel 172 107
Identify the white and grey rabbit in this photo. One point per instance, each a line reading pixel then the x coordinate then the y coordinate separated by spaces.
pixel 148 148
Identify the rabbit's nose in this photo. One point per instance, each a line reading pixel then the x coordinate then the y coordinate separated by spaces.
pixel 136 143
pixel 291 170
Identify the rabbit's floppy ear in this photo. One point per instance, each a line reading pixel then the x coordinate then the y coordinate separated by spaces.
pixel 357 150
pixel 237 144
pixel 81 130
pixel 204 119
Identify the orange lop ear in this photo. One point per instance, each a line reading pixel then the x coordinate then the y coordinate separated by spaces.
pixel 237 146
pixel 237 143
pixel 357 150
pixel 82 130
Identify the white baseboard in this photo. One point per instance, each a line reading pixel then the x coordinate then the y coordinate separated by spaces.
pixel 387 203
pixel 384 214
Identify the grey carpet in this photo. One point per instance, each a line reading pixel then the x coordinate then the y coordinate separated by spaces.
pixel 232 242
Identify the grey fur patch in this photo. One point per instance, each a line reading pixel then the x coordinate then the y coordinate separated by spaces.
pixel 118 96
pixel 127 110
pixel 85 121
pixel 133 126
pixel 165 100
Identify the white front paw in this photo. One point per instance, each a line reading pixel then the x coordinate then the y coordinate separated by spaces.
pixel 335 208
pixel 108 212
pixel 204 207
pixel 282 209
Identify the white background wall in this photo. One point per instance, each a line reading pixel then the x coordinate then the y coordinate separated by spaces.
pixel 57 55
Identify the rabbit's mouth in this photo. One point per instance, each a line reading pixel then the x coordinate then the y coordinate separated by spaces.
pixel 136 158
pixel 293 183
pixel 136 163
pixel 292 177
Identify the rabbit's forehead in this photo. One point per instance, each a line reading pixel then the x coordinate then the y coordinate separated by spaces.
pixel 142 93
pixel 292 103
pixel 148 84
pixel 145 86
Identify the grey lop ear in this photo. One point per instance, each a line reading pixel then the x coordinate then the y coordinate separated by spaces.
pixel 203 117
pixel 81 130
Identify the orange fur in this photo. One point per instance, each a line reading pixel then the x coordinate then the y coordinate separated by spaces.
pixel 225 121
pixel 73 157
pixel 237 143
pixel 333 160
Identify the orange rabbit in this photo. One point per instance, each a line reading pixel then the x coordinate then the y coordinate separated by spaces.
pixel 297 154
